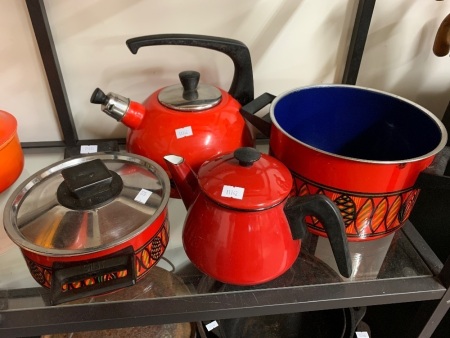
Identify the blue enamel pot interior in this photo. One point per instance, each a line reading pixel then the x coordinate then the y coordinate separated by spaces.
pixel 358 123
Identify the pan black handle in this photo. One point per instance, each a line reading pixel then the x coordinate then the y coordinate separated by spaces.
pixel 67 273
pixel 242 84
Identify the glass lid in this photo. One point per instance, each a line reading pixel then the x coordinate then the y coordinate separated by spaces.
pixel 86 204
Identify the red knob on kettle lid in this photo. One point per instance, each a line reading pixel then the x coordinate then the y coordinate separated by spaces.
pixel 245 179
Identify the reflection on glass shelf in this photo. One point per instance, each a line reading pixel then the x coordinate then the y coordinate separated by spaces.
pixel 367 256
pixel 400 261
pixel 388 257
pixel 391 257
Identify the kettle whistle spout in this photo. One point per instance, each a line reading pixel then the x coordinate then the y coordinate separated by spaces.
pixel 122 109
pixel 184 178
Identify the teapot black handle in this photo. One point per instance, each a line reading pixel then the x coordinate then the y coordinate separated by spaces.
pixel 242 84
pixel 321 207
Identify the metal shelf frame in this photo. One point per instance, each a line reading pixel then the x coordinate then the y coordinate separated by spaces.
pixel 44 39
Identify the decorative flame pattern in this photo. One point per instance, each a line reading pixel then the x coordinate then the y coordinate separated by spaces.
pixel 366 216
pixel 145 258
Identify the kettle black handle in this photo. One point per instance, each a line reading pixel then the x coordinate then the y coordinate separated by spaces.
pixel 242 84
pixel 321 207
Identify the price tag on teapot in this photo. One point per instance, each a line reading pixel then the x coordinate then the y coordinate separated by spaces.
pixel 233 192
pixel 184 132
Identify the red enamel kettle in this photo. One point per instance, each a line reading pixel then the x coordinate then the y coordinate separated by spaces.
pixel 242 227
pixel 196 120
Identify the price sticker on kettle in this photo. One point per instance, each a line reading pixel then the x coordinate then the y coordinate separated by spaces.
pixel 233 192
pixel 184 132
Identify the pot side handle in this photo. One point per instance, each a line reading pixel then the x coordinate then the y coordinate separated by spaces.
pixel 437 175
pixel 66 273
pixel 249 110
pixel 242 84
pixel 321 207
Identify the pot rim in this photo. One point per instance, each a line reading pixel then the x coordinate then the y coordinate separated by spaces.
pixel 437 121
pixel 16 198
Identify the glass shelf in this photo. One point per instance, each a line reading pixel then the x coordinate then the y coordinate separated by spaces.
pixel 309 285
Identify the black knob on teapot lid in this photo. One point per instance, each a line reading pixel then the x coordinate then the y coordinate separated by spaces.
pixel 247 156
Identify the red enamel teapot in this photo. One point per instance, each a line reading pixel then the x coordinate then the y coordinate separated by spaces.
pixel 242 227
pixel 186 117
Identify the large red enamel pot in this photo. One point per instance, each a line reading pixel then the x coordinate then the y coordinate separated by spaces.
pixel 11 155
pixel 363 148
pixel 91 224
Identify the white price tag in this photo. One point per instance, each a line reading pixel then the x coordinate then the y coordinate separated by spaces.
pixel 211 325
pixel 143 196
pixel 89 149
pixel 362 334
pixel 184 132
pixel 233 192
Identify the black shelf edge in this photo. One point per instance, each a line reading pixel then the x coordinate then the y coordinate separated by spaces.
pixel 67 318
pixel 62 144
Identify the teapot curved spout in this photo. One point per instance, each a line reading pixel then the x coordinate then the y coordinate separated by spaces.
pixel 184 178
